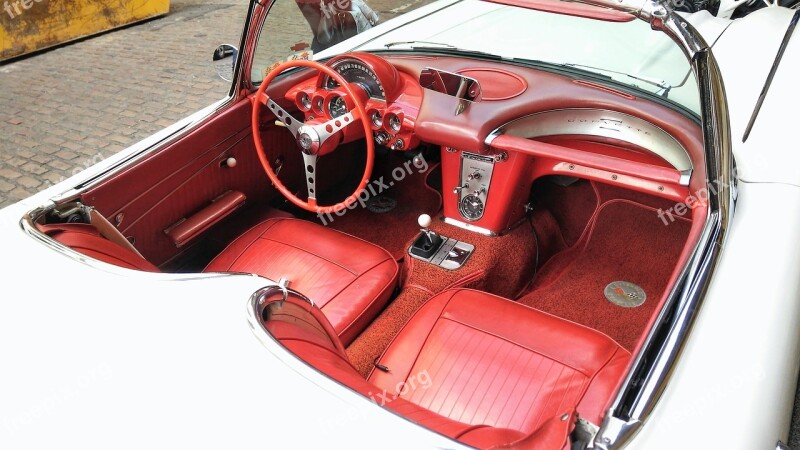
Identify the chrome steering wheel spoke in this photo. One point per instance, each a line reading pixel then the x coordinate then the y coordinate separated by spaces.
pixel 310 162
pixel 284 117
pixel 333 126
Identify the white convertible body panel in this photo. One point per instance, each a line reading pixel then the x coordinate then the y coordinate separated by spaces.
pixel 123 359
pixel 126 359
pixel 745 53
pixel 745 336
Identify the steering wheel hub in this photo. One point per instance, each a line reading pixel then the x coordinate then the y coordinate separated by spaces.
pixel 308 140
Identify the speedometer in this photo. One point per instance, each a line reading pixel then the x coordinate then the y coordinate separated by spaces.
pixel 358 73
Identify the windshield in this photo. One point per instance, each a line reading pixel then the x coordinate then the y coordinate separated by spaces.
pixel 628 53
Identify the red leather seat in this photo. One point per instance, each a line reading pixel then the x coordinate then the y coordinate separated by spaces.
pixel 350 279
pixel 482 369
pixel 85 239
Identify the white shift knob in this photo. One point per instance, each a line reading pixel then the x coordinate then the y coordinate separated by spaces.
pixel 424 220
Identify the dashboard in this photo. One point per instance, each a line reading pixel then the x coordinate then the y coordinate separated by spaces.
pixel 518 124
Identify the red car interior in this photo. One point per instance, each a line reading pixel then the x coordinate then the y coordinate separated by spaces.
pixel 348 278
pixel 499 373
pixel 517 339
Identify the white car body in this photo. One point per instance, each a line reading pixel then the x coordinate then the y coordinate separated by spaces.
pixel 95 356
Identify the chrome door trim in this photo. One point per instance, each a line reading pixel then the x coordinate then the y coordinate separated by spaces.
pixel 653 366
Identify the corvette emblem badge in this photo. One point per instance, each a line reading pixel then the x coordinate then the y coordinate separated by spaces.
pixel 625 294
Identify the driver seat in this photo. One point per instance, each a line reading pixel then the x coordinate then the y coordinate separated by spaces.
pixel 349 279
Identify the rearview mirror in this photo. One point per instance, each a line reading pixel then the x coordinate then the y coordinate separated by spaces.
pixel 224 60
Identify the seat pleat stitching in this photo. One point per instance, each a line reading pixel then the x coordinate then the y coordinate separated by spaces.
pixel 502 383
pixel 549 395
pixel 463 377
pixel 470 387
pixel 571 403
pixel 234 243
pixel 496 369
pixel 534 401
pixel 513 389
pixel 516 344
pixel 442 393
pixel 283 251
pixel 243 252
pixel 438 359
pixel 529 387
pixel 424 342
pixel 309 253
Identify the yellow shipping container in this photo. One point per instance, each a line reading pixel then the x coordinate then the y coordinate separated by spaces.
pixel 30 25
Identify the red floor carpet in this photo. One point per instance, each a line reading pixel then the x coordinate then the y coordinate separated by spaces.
pixel 626 241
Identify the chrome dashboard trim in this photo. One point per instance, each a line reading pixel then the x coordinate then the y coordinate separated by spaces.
pixel 600 123
pixel 469 227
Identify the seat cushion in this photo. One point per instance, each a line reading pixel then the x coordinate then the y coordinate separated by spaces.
pixel 480 369
pixel 490 361
pixel 350 279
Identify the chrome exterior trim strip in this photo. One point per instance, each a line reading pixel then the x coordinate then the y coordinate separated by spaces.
pixel 602 123
pixel 772 71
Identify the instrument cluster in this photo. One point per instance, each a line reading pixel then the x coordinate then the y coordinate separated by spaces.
pixel 391 99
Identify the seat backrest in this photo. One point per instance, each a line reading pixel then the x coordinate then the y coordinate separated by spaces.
pixel 85 239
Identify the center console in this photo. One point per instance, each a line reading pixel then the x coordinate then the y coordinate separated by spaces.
pixel 442 251
pixel 474 182
pixel 484 192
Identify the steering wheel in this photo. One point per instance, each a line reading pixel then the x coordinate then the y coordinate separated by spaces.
pixel 312 137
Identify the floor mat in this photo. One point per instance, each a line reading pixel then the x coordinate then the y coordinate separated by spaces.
pixel 628 242
pixel 394 228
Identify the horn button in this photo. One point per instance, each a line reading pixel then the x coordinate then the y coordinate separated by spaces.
pixel 308 139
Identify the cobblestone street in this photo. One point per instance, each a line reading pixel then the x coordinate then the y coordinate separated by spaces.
pixel 65 109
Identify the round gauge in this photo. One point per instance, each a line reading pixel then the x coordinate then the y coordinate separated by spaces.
pixel 377 118
pixel 358 73
pixel 304 100
pixel 336 107
pixel 471 207
pixel 395 123
pixel 318 102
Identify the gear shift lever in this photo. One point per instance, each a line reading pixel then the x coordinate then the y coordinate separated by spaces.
pixel 424 221
pixel 429 241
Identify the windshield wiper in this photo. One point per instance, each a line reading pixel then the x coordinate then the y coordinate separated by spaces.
pixel 662 84
pixel 424 44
